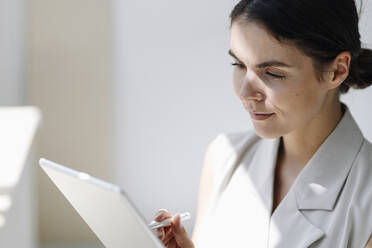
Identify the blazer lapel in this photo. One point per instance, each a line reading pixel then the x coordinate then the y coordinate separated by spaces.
pixel 289 228
pixel 317 187
pixel 321 181
pixel 262 170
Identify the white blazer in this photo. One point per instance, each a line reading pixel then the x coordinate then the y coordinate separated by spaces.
pixel 329 204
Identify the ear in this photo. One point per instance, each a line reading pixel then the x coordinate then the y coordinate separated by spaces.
pixel 339 70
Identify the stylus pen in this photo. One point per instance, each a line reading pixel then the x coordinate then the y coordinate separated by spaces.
pixel 155 224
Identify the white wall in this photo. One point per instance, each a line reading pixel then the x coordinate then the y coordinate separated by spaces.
pixel 20 227
pixel 12 44
pixel 174 94
pixel 69 80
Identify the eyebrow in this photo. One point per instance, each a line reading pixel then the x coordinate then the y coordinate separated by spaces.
pixel 264 64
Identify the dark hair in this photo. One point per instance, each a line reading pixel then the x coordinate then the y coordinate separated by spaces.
pixel 319 29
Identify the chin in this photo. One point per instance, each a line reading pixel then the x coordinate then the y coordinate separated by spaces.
pixel 267 134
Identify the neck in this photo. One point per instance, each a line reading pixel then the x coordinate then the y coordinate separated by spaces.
pixel 298 146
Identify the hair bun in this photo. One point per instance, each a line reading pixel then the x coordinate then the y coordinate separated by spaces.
pixel 360 75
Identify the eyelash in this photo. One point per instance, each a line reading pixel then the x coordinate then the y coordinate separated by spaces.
pixel 268 73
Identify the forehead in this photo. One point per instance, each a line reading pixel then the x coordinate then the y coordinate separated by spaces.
pixel 252 44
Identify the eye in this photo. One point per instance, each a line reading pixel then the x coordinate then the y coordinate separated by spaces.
pixel 275 76
pixel 241 66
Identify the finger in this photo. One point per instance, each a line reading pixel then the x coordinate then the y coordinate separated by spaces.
pixel 168 236
pixel 160 233
pixel 171 243
pixel 166 244
pixel 179 232
pixel 166 229
pixel 162 214
pixel 176 224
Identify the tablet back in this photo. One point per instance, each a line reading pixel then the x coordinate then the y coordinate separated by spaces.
pixel 107 211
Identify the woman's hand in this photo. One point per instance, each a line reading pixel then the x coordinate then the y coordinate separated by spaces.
pixel 175 235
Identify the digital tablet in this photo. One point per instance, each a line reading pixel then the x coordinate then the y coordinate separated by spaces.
pixel 107 210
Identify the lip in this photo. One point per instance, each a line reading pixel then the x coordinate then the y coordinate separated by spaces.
pixel 260 116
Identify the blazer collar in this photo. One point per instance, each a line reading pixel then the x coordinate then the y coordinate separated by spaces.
pixel 320 182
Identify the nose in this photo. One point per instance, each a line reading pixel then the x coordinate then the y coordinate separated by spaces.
pixel 249 91
pixel 257 96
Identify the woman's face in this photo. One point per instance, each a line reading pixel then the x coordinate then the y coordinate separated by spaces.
pixel 288 90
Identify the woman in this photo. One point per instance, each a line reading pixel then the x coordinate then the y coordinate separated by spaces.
pixel 303 177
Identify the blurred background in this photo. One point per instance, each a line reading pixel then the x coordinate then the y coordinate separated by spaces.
pixel 128 91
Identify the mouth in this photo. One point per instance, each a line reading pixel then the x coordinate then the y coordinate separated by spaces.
pixel 260 116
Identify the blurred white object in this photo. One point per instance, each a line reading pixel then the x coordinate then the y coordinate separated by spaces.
pixel 2 220
pixel 17 129
pixel 17 217
pixel 5 203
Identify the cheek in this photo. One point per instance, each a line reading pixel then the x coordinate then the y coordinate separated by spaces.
pixel 300 101
pixel 309 95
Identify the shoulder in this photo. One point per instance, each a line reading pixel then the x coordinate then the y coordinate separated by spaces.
pixel 218 151
pixel 364 169
pixel 359 191
pixel 232 141
pixel 226 146
pixel 361 170
pixel 359 180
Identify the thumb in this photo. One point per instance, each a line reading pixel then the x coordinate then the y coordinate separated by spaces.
pixel 180 233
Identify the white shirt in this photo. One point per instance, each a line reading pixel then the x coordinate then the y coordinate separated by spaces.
pixel 329 204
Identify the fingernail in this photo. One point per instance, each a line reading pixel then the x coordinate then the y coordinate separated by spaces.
pixel 177 216
pixel 158 214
